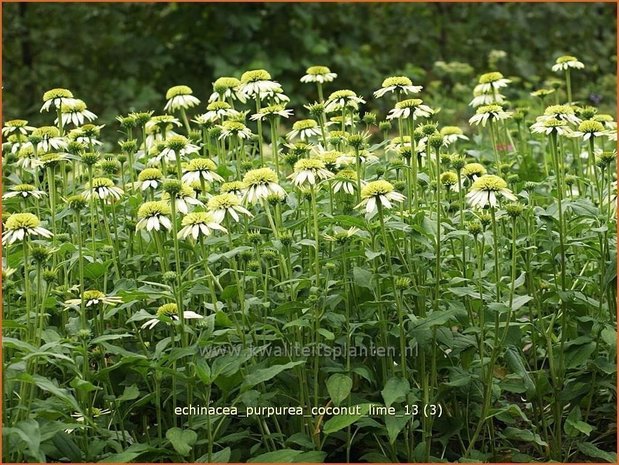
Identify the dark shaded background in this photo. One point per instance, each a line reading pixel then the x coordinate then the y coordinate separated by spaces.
pixel 123 57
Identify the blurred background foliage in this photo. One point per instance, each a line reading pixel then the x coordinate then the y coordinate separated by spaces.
pixel 123 57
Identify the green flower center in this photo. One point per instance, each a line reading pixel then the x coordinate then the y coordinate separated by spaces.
pixel 271 109
pixel 177 142
pixel 218 105
pixel 471 169
pixel 23 188
pixel 233 186
pixel 304 124
pixel 155 208
pixel 201 164
pixel 260 176
pixel 451 130
pixel 92 295
pixel 489 182
pixel 400 81
pixel 317 70
pixel 376 188
pixel 449 179
pixel 559 110
pixel 233 126
pixel 194 218
pixel 225 200
pixel 57 93
pixel 22 220
pixel 76 107
pixel 309 164
pixel 345 93
pixel 489 109
pixel 565 59
pixel 16 123
pixel 255 75
pixel 347 175
pixel 101 182
pixel 149 174
pixel 490 77
pixel 590 126
pixel 46 132
pixel 168 310
pixel 409 103
pixel 178 90
pixel 224 83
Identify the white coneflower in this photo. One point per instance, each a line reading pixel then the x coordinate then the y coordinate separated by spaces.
pixel 346 181
pixel 103 189
pixel 24 191
pixel 260 183
pixel 154 215
pixel 397 84
pixel 566 62
pixel 549 125
pixel 341 235
pixel 489 112
pixel 218 110
pixel 452 134
pixel 234 128
pixel 227 204
pixel 169 311
pixel 413 107
pixel 396 143
pixel 319 74
pixel 184 199
pixel 490 82
pixel 237 188
pixel 561 112
pixel 485 98
pixel 201 169
pixel 179 97
pixel 76 113
pixel 177 146
pixel 226 88
pixel 92 298
pixel 16 126
pixel 87 134
pixel 449 180
pixel 473 170
pixel 275 95
pixel 365 157
pixel 20 225
pixel 57 98
pixel 343 99
pixel 149 178
pixel 198 224
pixel 542 93
pixel 305 129
pixel 255 82
pixel 309 171
pixel 485 189
pixel 590 128
pixel 377 193
pixel 94 412
pixel 48 139
pixel 272 111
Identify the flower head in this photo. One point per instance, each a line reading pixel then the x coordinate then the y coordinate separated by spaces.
pixel 93 298
pixel 16 126
pixel 201 168
pixel 56 98
pixel 169 312
pixel 345 181
pixel 198 224
pixel 309 171
pixel 412 107
pixel 343 99
pixel 489 112
pixel 23 191
pixel 180 98
pixel 399 85
pixel 485 189
pixel 76 112
pixel 566 62
pixel 154 215
pixel 235 187
pixel 491 81
pixel 20 225
pixel 224 88
pixel 260 183
pixel 305 129
pixel 234 128
pixel 378 194
pixel 256 82
pixel 473 170
pixel 184 196
pixel 150 178
pixel 226 204
pixel 590 128
pixel 320 74
pixel 103 189
pixel 452 134
pixel 272 111
pixel 550 125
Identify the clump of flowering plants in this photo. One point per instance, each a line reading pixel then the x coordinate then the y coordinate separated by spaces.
pixel 386 287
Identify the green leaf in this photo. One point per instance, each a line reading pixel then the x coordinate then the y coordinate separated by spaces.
pixel 339 387
pixel 362 278
pixel 265 374
pixel 593 451
pixel 181 440
pixel 129 455
pixel 278 456
pixel 519 301
pixel 339 422
pixel 67 447
pixel 130 393
pixel 28 431
pixel 311 456
pixel 574 424
pixel 515 362
pixel 95 270
pixel 394 426
pixel 395 389
pixel 203 370
pixel 523 435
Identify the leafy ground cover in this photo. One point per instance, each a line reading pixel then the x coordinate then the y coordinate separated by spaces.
pixel 253 279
